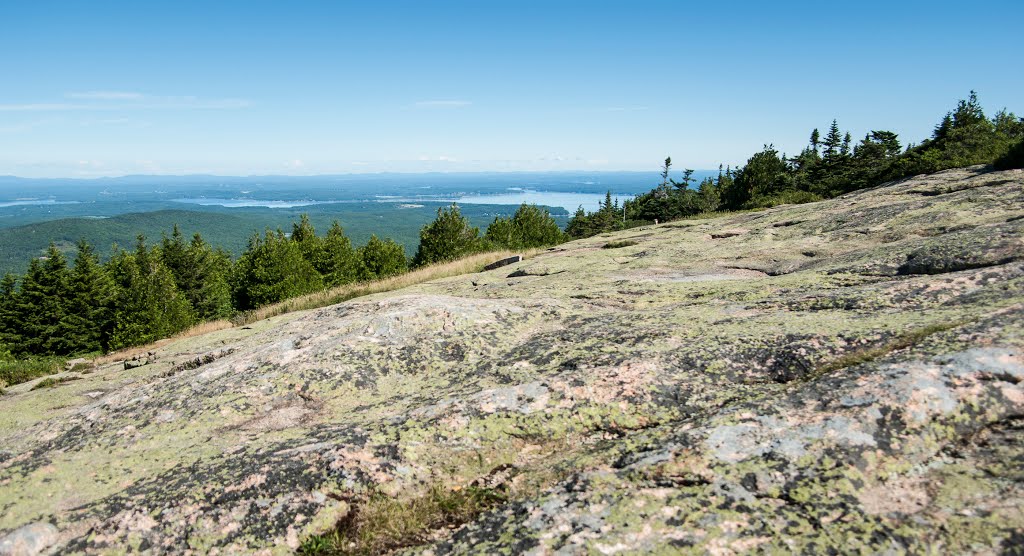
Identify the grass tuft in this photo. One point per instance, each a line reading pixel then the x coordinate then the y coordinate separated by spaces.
pixel 866 355
pixel 381 523
pixel 15 372
pixel 52 382
pixel 617 244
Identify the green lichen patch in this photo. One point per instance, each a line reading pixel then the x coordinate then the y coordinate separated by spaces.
pixel 842 376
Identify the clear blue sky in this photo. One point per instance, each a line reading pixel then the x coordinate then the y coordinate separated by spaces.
pixel 109 88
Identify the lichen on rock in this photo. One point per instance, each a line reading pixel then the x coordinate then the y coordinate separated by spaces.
pixel 836 376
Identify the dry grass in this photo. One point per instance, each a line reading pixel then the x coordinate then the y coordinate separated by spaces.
pixel 380 524
pixel 466 265
pixel 197 330
pixel 868 354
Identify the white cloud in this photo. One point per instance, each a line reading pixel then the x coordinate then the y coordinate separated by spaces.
pixel 39 107
pixel 105 101
pixel 442 103
pixel 105 95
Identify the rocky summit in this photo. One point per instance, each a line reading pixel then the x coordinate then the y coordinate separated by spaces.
pixel 840 376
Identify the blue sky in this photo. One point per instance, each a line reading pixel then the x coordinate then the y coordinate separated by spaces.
pixel 110 88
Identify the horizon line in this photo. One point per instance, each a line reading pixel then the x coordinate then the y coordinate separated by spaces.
pixel 387 172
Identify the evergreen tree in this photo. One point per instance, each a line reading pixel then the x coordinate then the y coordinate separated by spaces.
pixel 687 178
pixel 10 327
pixel 41 304
pixel 578 225
pixel 832 143
pixel 272 269
pixel 209 289
pixel 341 263
pixel 503 233
pixel 530 226
pixel 664 171
pixel 149 306
pixel 381 259
pixel 448 237
pixel 88 320
pixel 765 174
pixel 311 246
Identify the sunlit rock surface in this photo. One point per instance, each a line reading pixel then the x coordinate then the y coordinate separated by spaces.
pixel 843 375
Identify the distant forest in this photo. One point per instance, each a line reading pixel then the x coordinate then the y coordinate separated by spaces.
pixel 63 308
pixel 827 167
pixel 60 308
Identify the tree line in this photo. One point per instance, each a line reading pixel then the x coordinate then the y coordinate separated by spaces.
pixel 827 167
pixel 61 307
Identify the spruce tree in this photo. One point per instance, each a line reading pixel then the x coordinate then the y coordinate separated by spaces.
pixel 449 237
pixel 149 305
pixel 272 269
pixel 341 264
pixel 381 259
pixel 41 303
pixel 311 246
pixel 535 227
pixel 88 320
pixel 10 327
pixel 832 142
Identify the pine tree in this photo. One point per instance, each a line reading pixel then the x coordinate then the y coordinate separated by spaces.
pixel 665 170
pixel 530 226
pixel 381 259
pixel 10 327
pixel 832 142
pixel 41 303
pixel 88 320
pixel 209 291
pixel 272 269
pixel 149 305
pixel 815 140
pixel 341 263
pixel 449 237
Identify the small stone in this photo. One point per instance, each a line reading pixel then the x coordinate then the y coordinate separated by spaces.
pixel 28 540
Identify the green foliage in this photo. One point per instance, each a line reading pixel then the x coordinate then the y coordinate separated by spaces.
pixel 618 244
pixel 449 237
pixel 381 524
pixel 530 226
pixel 40 303
pixel 53 382
pixel 1014 158
pixel 610 216
pixel 10 327
pixel 200 273
pixel 826 168
pixel 341 263
pixel 148 305
pixel 382 258
pixel 766 174
pixel 89 317
pixel 271 270
pixel 964 137
pixel 17 371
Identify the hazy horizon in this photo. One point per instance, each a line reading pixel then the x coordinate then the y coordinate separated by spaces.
pixel 113 88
